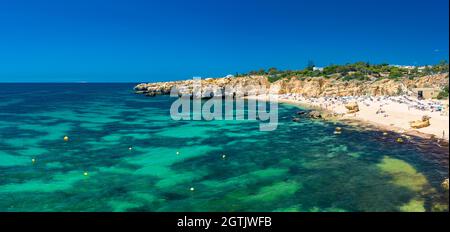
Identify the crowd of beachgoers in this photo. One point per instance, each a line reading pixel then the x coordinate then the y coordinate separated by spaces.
pixel 412 103
pixel 388 111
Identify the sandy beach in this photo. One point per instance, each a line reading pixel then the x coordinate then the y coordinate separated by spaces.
pixel 386 112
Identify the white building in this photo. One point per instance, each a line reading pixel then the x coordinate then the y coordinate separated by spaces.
pixel 403 66
pixel 320 69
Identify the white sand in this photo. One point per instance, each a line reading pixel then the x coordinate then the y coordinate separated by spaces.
pixel 399 116
pixel 396 116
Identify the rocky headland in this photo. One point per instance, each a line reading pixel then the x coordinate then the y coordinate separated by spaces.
pixel 328 96
pixel 382 104
pixel 305 86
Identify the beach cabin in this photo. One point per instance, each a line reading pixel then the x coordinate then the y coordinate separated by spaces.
pixel 426 93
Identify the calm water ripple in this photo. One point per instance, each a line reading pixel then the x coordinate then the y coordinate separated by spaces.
pixel 299 167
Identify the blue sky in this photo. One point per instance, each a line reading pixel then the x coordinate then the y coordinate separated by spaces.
pixel 132 41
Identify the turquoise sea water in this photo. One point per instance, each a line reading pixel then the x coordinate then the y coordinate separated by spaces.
pixel 298 167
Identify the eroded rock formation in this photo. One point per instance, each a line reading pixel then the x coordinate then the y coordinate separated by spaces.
pixel 308 87
pixel 352 107
pixel 425 122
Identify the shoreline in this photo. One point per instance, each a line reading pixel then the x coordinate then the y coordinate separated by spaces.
pixel 363 120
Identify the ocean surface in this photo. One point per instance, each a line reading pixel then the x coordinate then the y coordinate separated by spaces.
pixel 180 165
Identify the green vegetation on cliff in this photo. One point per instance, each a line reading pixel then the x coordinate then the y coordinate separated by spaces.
pixel 354 71
pixel 443 94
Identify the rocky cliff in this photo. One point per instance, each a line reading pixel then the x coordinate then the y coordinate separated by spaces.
pixel 310 86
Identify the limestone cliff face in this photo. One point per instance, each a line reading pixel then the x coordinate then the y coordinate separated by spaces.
pixel 319 86
pixel 310 87
pixel 224 86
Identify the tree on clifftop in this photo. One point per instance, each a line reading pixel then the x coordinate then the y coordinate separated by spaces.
pixel 273 71
pixel 310 65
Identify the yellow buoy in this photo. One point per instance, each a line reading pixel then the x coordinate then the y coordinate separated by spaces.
pixel 399 140
pixel 33 160
pixel 130 148
pixel 66 138
pixel 178 152
pixel 337 131
pixel 224 156
pixel 85 173
pixel 385 133
pixel 192 189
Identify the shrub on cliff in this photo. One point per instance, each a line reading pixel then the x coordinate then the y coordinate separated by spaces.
pixel 443 94
pixel 273 78
pixel 354 71
pixel 395 73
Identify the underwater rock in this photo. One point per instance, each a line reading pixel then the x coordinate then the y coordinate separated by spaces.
pixel 315 114
pixel 445 184
pixel 404 174
pixel 439 207
pixel 415 205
